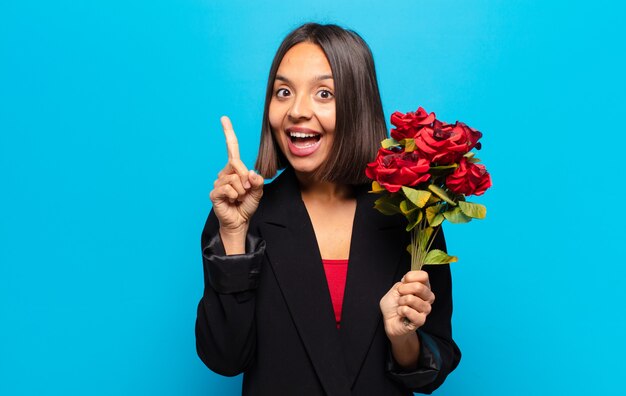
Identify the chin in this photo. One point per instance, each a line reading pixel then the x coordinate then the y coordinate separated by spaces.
pixel 305 169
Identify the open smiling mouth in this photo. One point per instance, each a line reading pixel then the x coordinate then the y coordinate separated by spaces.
pixel 303 139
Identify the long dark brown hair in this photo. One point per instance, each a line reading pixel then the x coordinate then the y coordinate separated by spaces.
pixel 360 122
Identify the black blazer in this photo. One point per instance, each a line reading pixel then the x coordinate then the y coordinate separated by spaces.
pixel 268 312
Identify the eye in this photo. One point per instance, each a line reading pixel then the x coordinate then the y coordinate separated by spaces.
pixel 325 94
pixel 282 93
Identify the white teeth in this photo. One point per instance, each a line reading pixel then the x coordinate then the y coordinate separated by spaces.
pixel 302 134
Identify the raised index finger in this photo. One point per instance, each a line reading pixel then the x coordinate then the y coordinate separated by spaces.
pixel 232 145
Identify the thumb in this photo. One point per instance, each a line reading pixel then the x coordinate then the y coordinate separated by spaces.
pixel 256 180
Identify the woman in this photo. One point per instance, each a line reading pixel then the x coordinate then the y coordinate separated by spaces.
pixel 307 287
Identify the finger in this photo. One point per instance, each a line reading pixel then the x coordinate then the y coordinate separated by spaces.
pixel 418 319
pixel 410 325
pixel 233 180
pixel 418 289
pixel 256 183
pixel 255 179
pixel 416 276
pixel 225 192
pixel 240 169
pixel 416 303
pixel 228 170
pixel 232 145
pixel 237 167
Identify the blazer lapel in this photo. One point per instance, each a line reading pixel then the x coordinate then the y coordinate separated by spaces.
pixel 377 248
pixel 295 259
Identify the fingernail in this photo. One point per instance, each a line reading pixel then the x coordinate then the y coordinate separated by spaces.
pixel 247 184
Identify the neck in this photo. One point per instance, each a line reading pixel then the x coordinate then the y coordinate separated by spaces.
pixel 323 190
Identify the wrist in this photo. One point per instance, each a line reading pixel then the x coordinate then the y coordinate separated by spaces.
pixel 403 339
pixel 405 349
pixel 234 241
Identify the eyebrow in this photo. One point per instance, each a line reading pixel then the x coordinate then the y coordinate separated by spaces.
pixel 317 78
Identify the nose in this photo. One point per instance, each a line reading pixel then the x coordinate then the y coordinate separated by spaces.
pixel 301 107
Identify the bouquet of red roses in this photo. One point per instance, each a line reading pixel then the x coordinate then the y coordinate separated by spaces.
pixel 426 170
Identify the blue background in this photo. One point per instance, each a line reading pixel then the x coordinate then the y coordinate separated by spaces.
pixel 110 141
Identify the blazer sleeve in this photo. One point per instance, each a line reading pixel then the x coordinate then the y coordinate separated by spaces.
pixel 225 324
pixel 439 354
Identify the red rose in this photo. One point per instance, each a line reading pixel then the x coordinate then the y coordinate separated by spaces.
pixel 446 143
pixel 469 179
pixel 392 170
pixel 469 134
pixel 408 124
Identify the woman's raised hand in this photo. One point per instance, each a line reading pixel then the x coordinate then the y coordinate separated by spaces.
pixel 235 196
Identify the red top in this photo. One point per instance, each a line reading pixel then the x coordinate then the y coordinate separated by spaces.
pixel 336 271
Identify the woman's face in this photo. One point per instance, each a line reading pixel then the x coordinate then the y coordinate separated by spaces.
pixel 302 109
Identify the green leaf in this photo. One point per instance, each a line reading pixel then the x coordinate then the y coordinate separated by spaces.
pixel 469 155
pixel 437 220
pixel 415 221
pixel 407 207
pixel 376 187
pixel 456 216
pixel 409 145
pixel 474 210
pixel 444 170
pixel 444 167
pixel 389 143
pixel 434 216
pixel 385 207
pixel 437 256
pixel 418 197
pixel 387 199
pixel 441 193
pixel 396 198
pixel 433 200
